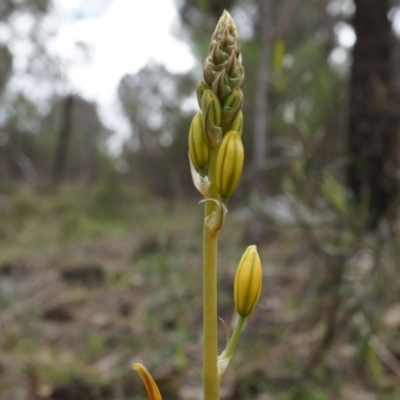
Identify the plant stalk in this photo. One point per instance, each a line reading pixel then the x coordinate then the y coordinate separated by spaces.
pixel 210 317
pixel 210 311
pixel 235 337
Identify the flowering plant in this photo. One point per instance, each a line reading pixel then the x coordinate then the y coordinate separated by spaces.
pixel 216 157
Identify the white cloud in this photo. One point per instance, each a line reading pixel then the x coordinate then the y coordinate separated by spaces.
pixel 121 37
pixel 122 40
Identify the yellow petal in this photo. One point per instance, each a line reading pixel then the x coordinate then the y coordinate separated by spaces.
pixel 151 387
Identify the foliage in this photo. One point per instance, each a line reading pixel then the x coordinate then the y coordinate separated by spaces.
pixel 42 236
pixel 328 323
pixel 157 104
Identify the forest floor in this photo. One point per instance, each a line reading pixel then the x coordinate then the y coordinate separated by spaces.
pixel 91 282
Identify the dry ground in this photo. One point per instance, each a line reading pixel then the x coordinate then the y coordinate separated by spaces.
pixel 85 291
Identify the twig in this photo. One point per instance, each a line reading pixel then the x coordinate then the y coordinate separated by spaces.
pixel 285 18
pixel 385 355
pixel 376 344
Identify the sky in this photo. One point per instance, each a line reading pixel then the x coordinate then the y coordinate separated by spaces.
pixel 121 36
pixel 99 41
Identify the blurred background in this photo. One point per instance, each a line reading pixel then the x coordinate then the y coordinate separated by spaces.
pixel 100 230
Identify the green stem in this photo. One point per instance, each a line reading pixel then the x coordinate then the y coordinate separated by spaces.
pixel 235 337
pixel 210 313
pixel 210 346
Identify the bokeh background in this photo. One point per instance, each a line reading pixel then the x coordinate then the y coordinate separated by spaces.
pixel 100 226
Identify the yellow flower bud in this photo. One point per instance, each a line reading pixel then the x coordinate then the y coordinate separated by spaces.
pixel 248 282
pixel 229 166
pixel 198 146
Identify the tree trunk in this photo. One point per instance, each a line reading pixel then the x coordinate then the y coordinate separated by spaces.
pixel 260 138
pixel 261 96
pixel 60 155
pixel 373 118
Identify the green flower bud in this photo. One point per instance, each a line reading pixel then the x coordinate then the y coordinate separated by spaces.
pixel 237 79
pixel 212 116
pixel 224 56
pixel 226 34
pixel 229 165
pixel 209 72
pixel 215 109
pixel 248 282
pixel 221 85
pixel 236 124
pixel 232 65
pixel 231 106
pixel 201 87
pixel 198 146
pixel 234 100
pixel 216 55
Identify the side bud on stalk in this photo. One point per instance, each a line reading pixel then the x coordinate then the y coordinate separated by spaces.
pixel 248 282
pixel 198 146
pixel 229 166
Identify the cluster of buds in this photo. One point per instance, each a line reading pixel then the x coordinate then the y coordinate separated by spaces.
pixel 216 155
pixel 215 145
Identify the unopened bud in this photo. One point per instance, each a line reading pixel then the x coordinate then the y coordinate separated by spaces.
pixel 220 85
pixel 231 106
pixel 237 79
pixel 212 117
pixel 214 109
pixel 201 87
pixel 209 72
pixel 232 65
pixel 234 100
pixel 198 145
pixel 236 124
pixel 229 166
pixel 224 56
pixel 226 33
pixel 248 282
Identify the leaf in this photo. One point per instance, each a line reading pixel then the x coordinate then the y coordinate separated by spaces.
pixel 279 54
